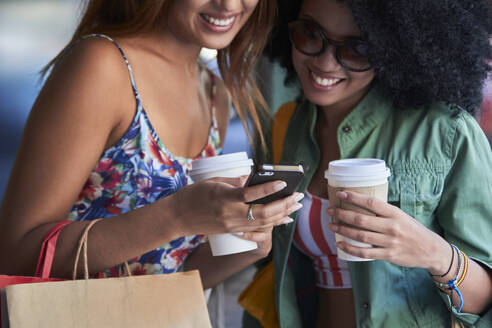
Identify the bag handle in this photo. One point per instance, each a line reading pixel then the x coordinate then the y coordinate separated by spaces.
pixel 47 254
pixel 83 247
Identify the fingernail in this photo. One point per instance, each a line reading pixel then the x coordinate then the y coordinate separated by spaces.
pixel 238 233
pixel 296 207
pixel 330 212
pixel 287 221
pixel 279 186
pixel 333 227
pixel 342 194
pixel 298 196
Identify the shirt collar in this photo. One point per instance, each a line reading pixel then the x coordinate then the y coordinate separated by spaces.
pixel 370 112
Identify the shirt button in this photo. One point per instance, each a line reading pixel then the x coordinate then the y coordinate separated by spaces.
pixel 347 129
pixel 365 306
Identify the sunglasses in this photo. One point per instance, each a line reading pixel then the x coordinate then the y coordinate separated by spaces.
pixel 310 39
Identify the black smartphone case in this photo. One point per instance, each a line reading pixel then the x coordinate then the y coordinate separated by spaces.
pixel 259 176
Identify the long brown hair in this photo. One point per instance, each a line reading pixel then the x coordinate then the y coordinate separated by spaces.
pixel 236 62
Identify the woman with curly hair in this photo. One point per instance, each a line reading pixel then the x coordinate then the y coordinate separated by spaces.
pixel 395 80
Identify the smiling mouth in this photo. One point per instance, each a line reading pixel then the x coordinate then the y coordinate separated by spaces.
pixel 324 82
pixel 219 22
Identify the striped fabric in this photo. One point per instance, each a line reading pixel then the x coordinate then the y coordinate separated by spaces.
pixel 313 238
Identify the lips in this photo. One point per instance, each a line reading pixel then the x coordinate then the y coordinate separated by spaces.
pixel 324 81
pixel 219 23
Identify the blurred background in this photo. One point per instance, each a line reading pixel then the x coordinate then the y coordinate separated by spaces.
pixel 31 33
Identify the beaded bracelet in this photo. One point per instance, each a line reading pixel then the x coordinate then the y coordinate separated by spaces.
pixel 464 268
pixel 452 284
pixel 449 285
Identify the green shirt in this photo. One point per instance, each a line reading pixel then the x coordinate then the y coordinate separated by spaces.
pixel 441 167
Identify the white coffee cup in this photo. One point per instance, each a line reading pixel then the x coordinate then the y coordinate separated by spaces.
pixel 364 175
pixel 224 166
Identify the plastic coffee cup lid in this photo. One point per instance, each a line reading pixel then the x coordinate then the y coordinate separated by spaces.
pixel 357 169
pixel 221 162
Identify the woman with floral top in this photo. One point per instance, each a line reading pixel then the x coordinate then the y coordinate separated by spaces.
pixel 112 134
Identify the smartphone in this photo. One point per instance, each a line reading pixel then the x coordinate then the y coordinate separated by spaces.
pixel 291 174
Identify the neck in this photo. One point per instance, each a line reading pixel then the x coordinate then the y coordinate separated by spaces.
pixel 178 52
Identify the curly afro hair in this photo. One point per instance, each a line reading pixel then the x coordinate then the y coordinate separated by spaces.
pixel 422 51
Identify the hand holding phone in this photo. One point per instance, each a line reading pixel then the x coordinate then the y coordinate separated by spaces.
pixel 263 173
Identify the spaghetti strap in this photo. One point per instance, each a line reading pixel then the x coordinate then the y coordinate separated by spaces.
pixel 214 87
pixel 213 98
pixel 103 36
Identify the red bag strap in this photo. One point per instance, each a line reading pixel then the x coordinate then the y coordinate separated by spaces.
pixel 47 253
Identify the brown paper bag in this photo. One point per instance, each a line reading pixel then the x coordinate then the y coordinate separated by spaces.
pixel 163 300
pixel 172 300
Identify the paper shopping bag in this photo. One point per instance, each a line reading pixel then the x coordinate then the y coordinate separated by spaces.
pixel 163 300
pixel 43 269
pixel 173 300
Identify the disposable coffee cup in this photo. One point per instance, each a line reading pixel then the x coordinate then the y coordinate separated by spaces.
pixel 368 176
pixel 224 166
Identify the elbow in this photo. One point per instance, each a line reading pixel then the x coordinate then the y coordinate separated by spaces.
pixel 16 258
pixel 8 256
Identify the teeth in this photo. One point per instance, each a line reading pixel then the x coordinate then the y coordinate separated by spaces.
pixel 217 21
pixel 324 82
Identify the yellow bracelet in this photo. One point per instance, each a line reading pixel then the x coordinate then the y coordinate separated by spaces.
pixel 465 258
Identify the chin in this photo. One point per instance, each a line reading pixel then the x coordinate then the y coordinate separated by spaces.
pixel 319 98
pixel 217 42
pixel 320 101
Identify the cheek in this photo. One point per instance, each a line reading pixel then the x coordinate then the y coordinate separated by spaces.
pixel 250 5
pixel 298 60
pixel 361 80
pixel 183 23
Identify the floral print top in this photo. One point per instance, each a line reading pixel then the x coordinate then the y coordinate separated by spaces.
pixel 136 171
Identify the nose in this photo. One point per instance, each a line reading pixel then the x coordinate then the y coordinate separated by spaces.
pixel 327 60
pixel 227 5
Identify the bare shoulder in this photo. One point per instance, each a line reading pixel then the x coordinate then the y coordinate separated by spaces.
pixel 92 58
pixel 93 70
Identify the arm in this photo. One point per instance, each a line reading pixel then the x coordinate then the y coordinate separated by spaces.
pixel 79 113
pixel 403 241
pixel 464 213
